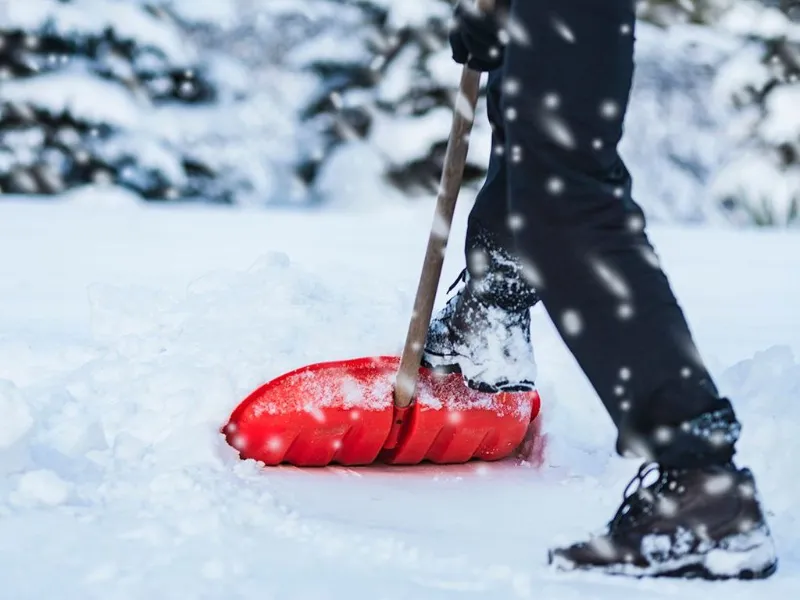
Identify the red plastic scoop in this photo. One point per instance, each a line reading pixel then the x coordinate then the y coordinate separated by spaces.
pixel 344 413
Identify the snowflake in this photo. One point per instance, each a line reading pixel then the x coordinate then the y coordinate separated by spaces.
pixel 609 109
pixel 572 322
pixel 552 100
pixel 511 86
pixel 563 30
pixel 558 130
pixel 531 274
pixel 515 222
pixel 663 435
pixel 636 224
pixel 555 185
pixel 625 311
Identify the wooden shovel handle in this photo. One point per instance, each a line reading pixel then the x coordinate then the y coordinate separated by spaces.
pixel 453 172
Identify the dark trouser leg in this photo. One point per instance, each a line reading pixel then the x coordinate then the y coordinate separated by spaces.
pixel 489 243
pixel 582 235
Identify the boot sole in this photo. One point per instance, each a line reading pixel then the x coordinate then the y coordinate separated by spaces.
pixel 696 568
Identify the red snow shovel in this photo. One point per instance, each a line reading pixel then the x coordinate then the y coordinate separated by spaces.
pixel 389 409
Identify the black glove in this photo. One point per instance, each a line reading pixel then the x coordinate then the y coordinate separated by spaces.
pixel 475 38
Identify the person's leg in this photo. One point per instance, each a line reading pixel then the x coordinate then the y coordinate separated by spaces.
pixel 580 237
pixel 489 242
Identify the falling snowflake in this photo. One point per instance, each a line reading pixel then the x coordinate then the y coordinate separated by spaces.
pixel 454 418
pixel 478 262
pixel 558 131
pixel 515 222
pixel 571 322
pixel 609 109
pixel 531 274
pixel 625 311
pixel 511 86
pixel 612 280
pixel 517 32
pixel 563 30
pixel 651 257
pixel 552 101
pixel 663 435
pixel 636 224
pixel 555 185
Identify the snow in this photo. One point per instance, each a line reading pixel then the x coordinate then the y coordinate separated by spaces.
pixel 782 124
pixel 92 17
pixel 401 140
pixel 87 98
pixel 763 189
pixel 129 333
pixel 749 17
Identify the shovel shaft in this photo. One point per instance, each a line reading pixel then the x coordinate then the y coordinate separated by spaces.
pixel 452 175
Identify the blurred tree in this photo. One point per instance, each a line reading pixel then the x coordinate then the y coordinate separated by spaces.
pixel 760 83
pixel 80 81
pixel 385 83
pixel 670 12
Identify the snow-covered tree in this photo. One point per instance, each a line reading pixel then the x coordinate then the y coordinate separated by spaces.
pixel 760 84
pixel 385 88
pixel 81 81
pixel 756 85
pixel 670 12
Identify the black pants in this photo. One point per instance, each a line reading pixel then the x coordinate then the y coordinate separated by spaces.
pixel 558 198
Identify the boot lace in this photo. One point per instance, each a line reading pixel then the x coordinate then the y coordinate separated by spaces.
pixel 638 500
pixel 461 277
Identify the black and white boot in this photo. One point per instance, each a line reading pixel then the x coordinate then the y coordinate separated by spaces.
pixel 487 342
pixel 704 522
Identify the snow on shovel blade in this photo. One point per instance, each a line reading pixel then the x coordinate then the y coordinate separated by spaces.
pixel 344 413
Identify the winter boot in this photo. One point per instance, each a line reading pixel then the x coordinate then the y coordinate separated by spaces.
pixel 704 522
pixel 489 344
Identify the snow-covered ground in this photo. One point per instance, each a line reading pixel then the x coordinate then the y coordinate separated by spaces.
pixel 127 335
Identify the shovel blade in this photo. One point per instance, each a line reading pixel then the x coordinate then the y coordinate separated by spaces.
pixel 343 412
